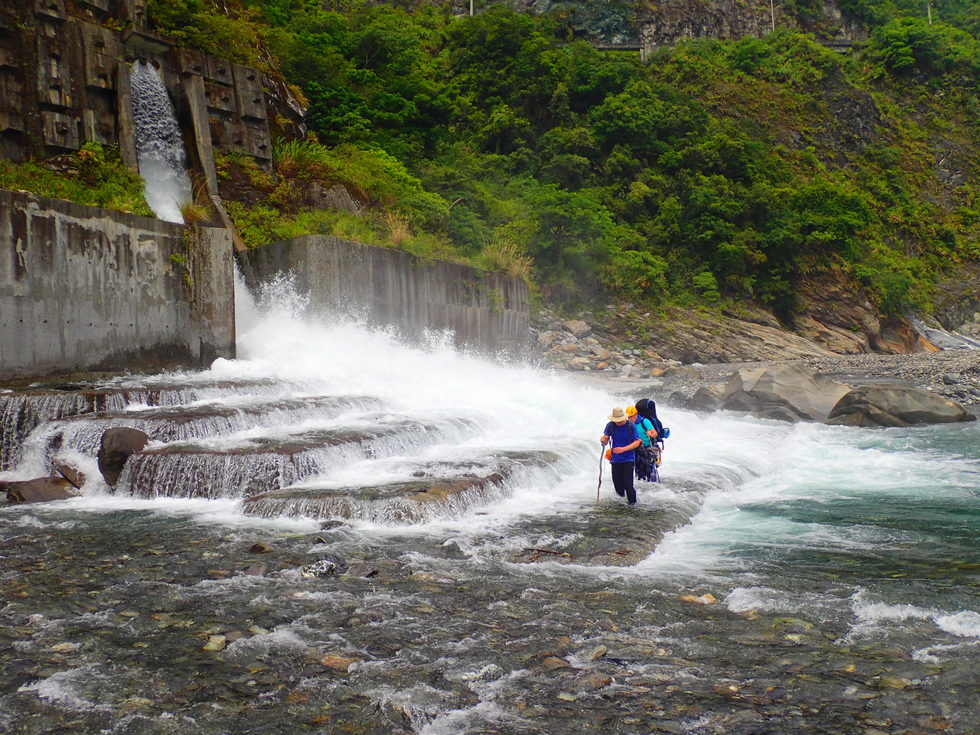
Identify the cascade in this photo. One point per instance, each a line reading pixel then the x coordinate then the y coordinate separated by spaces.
pixel 159 144
pixel 411 539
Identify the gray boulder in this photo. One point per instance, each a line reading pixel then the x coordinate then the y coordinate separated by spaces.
pixel 38 490
pixel 784 392
pixel 116 447
pixel 887 404
pixel 707 398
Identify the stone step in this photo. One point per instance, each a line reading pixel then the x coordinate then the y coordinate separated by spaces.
pixel 434 490
pixel 219 467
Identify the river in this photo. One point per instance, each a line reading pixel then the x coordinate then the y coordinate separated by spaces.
pixel 780 579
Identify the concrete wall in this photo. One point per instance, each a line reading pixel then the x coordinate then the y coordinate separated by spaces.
pixel 488 312
pixel 86 289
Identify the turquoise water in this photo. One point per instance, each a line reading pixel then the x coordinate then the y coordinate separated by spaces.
pixel 820 579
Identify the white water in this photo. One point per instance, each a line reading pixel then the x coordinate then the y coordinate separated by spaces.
pixel 159 144
pixel 771 491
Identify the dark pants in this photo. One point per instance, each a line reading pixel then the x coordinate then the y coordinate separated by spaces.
pixel 622 474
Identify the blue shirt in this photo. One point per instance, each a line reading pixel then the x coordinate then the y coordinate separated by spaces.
pixel 643 425
pixel 622 436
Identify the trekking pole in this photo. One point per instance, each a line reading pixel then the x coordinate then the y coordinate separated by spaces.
pixel 602 451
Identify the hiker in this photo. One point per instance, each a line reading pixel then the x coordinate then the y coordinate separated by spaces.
pixel 646 468
pixel 648 409
pixel 625 440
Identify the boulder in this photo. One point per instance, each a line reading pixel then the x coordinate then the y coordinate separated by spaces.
pixel 707 398
pixel 577 327
pixel 887 404
pixel 784 392
pixel 116 447
pixel 70 472
pixel 38 490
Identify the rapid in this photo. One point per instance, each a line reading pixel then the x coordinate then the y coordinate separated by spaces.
pixel 781 578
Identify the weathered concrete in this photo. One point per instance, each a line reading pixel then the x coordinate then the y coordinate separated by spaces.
pixel 87 289
pixel 391 287
pixel 64 80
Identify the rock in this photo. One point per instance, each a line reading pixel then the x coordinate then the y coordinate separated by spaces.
pixel 324 567
pixel 116 447
pixel 214 643
pixel 38 490
pixel 551 663
pixel 595 681
pixel 684 372
pixel 785 392
pixel 706 599
pixel 259 548
pixel 579 363
pixel 70 472
pixel 545 339
pixel 337 663
pixel 886 404
pixel 577 327
pixel 707 398
pixel 597 652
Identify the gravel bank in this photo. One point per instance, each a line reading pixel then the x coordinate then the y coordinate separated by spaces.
pixel 954 374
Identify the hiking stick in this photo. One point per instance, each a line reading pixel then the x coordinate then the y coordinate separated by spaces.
pixel 602 451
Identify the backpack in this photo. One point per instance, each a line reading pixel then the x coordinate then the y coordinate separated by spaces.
pixel 648 410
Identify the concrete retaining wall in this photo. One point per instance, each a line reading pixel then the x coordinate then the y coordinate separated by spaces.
pixel 488 312
pixel 85 289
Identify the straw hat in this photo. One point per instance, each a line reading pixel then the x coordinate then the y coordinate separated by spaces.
pixel 618 415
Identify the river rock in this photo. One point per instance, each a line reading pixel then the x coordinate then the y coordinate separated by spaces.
pixel 887 404
pixel 785 392
pixel 70 472
pixel 117 446
pixel 38 490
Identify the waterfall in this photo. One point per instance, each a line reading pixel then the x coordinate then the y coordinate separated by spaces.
pixel 159 145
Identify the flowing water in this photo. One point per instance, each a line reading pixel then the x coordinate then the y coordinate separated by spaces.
pixel 159 144
pixel 781 579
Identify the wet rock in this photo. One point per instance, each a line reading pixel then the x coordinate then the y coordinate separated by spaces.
pixel 70 472
pixel 705 599
pixel 117 445
pixel 596 653
pixel 324 567
pixel 338 663
pixel 215 643
pixel 706 398
pixel 39 490
pixel 885 404
pixel 259 548
pixel 552 663
pixel 595 681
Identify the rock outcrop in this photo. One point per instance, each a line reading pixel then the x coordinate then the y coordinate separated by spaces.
pixel 784 392
pixel 888 404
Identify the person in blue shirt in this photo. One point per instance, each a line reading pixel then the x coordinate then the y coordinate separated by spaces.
pixel 645 464
pixel 622 433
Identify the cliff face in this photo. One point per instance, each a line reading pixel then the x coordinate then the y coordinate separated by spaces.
pixel 651 24
pixel 668 21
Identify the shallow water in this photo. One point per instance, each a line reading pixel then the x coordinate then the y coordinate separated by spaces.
pixel 789 578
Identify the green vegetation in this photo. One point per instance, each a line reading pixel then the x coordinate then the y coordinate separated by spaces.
pixel 721 171
pixel 95 176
